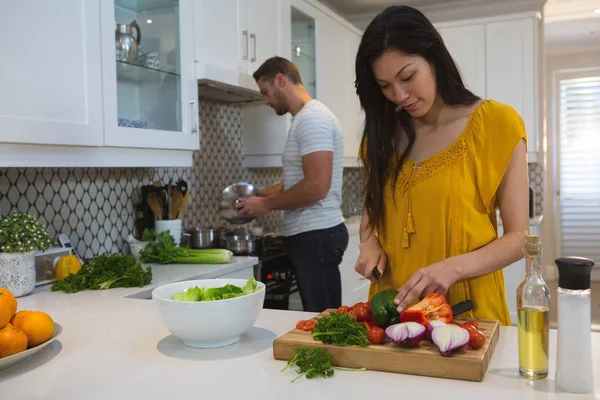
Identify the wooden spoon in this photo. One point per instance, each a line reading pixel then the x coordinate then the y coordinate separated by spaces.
pixel 176 201
pixel 183 205
pixel 155 204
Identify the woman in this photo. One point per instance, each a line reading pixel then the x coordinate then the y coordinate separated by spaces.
pixel 439 161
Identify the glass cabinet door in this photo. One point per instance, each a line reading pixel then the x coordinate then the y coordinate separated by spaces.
pixel 154 103
pixel 147 60
pixel 303 50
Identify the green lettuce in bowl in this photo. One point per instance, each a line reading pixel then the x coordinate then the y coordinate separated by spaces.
pixel 228 291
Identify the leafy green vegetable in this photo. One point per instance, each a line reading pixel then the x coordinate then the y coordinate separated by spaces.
pixel 311 364
pixel 341 330
pixel 105 272
pixel 165 251
pixel 314 363
pixel 221 293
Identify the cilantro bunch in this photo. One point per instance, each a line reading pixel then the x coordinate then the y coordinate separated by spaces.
pixel 106 272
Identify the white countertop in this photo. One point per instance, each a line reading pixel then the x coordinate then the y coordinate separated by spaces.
pixel 117 348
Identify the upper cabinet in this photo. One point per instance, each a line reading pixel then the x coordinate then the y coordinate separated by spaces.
pixel 234 37
pixel 513 73
pixel 51 75
pixel 150 93
pixel 104 76
pixel 501 59
pixel 323 46
pixel 466 44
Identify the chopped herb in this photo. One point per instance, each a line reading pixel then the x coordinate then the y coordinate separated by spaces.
pixel 313 364
pixel 341 330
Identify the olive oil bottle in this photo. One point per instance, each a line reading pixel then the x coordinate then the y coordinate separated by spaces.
pixel 533 307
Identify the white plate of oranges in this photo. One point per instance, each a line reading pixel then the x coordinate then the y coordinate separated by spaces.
pixel 22 333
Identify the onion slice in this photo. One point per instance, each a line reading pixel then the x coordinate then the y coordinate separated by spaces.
pixel 432 325
pixel 449 338
pixel 406 334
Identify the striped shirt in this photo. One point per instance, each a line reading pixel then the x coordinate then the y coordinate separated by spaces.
pixel 314 128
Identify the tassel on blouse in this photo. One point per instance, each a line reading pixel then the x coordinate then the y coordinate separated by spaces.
pixel 410 223
pixel 405 240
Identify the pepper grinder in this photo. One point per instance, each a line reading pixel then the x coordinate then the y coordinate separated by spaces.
pixel 574 372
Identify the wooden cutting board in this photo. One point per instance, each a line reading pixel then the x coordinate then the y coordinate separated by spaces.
pixel 426 360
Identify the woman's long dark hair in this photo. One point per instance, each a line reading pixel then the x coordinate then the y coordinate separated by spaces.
pixel 408 30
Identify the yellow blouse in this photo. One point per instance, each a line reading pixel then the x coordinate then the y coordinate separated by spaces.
pixel 445 206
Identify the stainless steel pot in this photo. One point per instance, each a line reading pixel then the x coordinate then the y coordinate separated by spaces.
pixel 244 244
pixel 230 197
pixel 202 238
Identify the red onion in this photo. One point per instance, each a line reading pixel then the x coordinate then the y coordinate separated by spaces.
pixel 406 334
pixel 449 338
pixel 432 325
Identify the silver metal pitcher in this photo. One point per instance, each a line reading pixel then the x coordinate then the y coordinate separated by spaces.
pixel 125 44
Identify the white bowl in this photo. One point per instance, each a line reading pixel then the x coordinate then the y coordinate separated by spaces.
pixel 208 324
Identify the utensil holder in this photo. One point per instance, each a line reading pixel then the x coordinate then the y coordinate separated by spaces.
pixel 172 225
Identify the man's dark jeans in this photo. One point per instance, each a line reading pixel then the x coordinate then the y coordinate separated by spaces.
pixel 316 256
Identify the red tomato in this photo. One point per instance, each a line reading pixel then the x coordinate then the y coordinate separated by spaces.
pixel 306 324
pixel 343 309
pixel 376 335
pixel 476 338
pixel 360 313
pixel 472 323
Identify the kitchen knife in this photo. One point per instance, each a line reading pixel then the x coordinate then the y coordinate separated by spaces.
pixel 376 275
pixel 462 307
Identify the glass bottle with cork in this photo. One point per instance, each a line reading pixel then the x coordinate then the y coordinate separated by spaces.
pixel 533 307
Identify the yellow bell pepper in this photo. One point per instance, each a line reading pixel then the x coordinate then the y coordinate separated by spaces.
pixel 67 265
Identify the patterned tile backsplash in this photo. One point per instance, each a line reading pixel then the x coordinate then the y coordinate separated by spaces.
pixel 94 206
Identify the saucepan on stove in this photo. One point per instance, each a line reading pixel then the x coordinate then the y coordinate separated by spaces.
pixel 244 244
pixel 201 238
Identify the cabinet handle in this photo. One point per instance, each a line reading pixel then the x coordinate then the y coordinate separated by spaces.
pixel 195 117
pixel 253 38
pixel 245 35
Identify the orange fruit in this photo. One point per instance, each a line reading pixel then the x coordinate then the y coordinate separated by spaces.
pixel 12 341
pixel 5 313
pixel 17 319
pixel 7 296
pixel 37 325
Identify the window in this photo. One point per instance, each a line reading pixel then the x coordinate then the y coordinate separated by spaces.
pixel 579 167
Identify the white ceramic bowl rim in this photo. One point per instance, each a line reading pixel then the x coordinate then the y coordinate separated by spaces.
pixel 192 284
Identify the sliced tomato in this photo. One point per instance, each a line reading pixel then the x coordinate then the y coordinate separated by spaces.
pixel 306 324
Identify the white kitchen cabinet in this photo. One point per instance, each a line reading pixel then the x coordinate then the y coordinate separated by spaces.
pixel 512 72
pixel 234 37
pixel 151 104
pixel 466 45
pixel 50 74
pixel 324 47
pixel 67 99
pixel 355 287
pixel 354 119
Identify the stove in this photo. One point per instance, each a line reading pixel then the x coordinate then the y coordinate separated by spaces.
pixel 275 270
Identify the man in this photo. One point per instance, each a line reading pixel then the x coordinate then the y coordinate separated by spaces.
pixel 311 191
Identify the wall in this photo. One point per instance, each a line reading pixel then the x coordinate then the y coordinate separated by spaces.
pixel 94 206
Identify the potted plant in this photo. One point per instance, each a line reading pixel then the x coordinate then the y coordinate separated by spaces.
pixel 21 235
